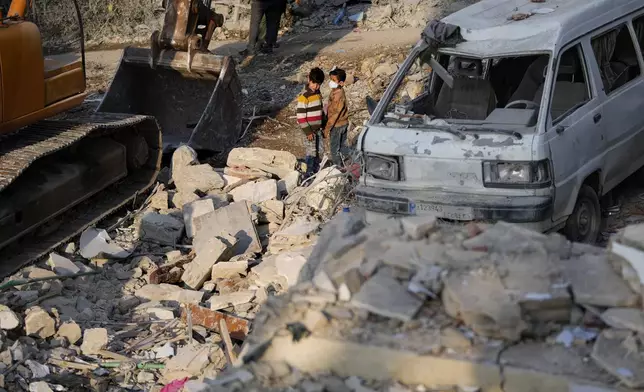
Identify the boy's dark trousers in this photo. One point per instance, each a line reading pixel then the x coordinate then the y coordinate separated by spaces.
pixel 339 148
pixel 272 9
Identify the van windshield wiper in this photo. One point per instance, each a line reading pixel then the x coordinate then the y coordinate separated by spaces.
pixel 494 130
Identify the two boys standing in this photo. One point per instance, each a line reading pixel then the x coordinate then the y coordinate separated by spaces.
pixel 314 123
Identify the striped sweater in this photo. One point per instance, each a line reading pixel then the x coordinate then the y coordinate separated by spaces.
pixel 309 111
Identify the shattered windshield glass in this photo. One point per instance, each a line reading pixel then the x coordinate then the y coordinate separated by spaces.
pixel 440 90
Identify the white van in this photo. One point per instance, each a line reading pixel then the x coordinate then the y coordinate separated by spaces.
pixel 533 118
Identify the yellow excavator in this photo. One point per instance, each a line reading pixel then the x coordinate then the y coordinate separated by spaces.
pixel 63 169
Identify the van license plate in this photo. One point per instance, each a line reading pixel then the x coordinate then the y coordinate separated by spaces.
pixel 442 211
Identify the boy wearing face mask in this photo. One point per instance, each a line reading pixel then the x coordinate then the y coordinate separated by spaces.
pixel 338 117
pixel 310 117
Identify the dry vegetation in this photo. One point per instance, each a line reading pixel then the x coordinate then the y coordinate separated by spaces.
pixel 112 21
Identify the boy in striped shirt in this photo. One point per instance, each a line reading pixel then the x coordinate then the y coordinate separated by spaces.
pixel 310 117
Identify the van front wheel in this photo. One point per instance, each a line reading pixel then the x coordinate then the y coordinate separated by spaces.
pixel 584 224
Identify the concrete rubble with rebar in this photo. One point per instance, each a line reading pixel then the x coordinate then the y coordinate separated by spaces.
pixel 237 279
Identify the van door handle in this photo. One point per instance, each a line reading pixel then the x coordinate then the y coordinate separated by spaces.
pixel 597 117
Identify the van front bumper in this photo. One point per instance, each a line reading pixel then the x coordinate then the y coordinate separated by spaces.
pixel 457 206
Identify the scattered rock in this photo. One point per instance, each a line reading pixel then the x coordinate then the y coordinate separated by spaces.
pixel 280 163
pixel 62 265
pixel 182 157
pixel 39 323
pixel 164 229
pixel 612 352
pixel 70 331
pixel 255 192
pixel 94 340
pixel 8 319
pixel 39 386
pixel 213 250
pixel 625 318
pixel 223 301
pixel 168 292
pixel 198 178
pixel 383 295
pixel 96 243
pixel 159 200
pixel 228 269
pixel 234 219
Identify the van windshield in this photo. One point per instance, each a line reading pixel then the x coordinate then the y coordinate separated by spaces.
pixel 448 89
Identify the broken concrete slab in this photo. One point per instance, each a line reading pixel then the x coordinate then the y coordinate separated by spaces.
pixel 479 299
pixel 222 301
pixel 319 355
pixel 287 184
pixel 624 318
pixel 281 268
pixel 62 265
pixel 94 340
pixel 96 243
pixel 418 227
pixel 164 229
pixel 234 219
pixel 192 359
pixel 168 292
pixel 246 173
pixel 629 261
pixel 595 282
pixel 228 269
pixel 301 233
pixel 613 353
pixel 39 323
pixel 180 199
pixel 255 192
pixel 214 249
pixel 193 210
pixel 385 296
pixel 271 211
pixel 280 163
pixel 198 178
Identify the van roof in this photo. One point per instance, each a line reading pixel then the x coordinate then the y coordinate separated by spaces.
pixel 489 30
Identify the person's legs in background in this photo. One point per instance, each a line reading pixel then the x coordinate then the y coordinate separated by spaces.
pixel 273 18
pixel 257 11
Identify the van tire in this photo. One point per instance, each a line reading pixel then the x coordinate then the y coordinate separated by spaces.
pixel 584 224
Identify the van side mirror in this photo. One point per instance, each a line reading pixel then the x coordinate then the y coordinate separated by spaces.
pixel 371 104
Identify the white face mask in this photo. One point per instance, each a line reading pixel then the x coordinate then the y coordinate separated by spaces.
pixel 333 84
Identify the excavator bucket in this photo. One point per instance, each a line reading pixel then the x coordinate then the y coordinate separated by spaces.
pixel 195 98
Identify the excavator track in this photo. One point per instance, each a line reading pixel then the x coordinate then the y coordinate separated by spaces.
pixel 27 155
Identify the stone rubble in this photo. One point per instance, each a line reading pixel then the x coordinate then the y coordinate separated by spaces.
pixel 228 294
pixel 491 308
pixel 172 292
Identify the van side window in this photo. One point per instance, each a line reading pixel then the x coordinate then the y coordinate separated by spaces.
pixel 616 56
pixel 638 25
pixel 571 86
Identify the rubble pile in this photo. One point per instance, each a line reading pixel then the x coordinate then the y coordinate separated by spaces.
pixel 413 305
pixel 341 14
pixel 171 290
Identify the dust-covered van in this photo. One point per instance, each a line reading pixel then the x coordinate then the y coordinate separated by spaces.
pixel 531 112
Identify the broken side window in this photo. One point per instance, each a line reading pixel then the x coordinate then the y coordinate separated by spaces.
pixel 571 90
pixel 638 26
pixel 616 57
